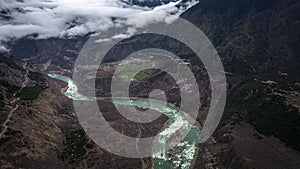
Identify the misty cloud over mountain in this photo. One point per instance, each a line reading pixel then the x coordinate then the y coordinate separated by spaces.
pixel 65 18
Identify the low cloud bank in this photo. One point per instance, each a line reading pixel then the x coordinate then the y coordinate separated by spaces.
pixel 69 18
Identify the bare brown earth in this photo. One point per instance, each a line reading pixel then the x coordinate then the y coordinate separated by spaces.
pixel 261 151
pixel 241 146
pixel 293 99
pixel 33 132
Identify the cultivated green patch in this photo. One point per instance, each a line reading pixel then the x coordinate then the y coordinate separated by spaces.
pixel 128 71
pixel 141 75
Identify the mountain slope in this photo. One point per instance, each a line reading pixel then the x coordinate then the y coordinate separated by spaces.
pixel 31 125
pixel 258 42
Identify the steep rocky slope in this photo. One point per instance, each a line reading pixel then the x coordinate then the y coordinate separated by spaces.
pixel 258 42
pixel 39 128
pixel 32 122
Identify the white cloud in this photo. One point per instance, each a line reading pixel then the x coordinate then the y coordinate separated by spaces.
pixel 3 49
pixel 65 18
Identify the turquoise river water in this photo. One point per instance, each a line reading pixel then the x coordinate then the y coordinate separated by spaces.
pixel 165 155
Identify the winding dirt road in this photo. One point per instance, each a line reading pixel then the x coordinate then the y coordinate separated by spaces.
pixel 5 127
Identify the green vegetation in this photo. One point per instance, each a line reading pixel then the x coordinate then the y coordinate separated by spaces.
pixel 8 134
pixel 31 93
pixel 128 71
pixel 38 77
pixel 75 146
pixel 100 80
pixel 274 117
pixel 11 89
pixel 268 113
pixel 236 102
pixel 138 77
pixel 1 101
pixel 3 140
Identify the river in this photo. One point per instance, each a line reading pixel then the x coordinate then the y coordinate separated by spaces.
pixel 182 154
